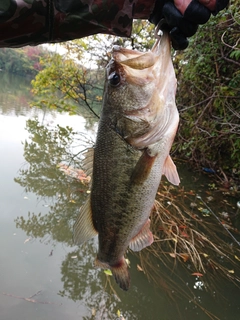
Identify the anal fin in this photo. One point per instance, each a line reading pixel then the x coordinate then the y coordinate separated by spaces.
pixel 143 239
pixel 170 171
pixel 83 228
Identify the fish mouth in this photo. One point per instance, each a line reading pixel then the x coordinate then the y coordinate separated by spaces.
pixel 130 66
pixel 133 66
pixel 133 58
pixel 140 68
pixel 142 60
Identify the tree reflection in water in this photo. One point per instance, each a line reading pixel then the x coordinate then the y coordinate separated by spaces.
pixel 42 176
pixel 81 282
pixel 43 152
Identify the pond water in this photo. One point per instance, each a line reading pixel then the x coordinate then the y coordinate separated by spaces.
pixel 43 274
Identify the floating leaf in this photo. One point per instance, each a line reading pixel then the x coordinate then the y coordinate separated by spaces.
pixel 193 205
pixel 182 227
pixel 184 256
pixel 226 225
pixel 210 198
pixel 184 234
pixel 139 268
pixel 225 215
pixel 93 312
pixel 108 272
pixel 197 274
pixel 205 212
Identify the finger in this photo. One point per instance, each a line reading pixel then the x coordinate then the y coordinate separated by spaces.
pixel 174 18
pixel 197 13
pixel 182 5
pixel 210 4
pixel 179 41
pixel 171 14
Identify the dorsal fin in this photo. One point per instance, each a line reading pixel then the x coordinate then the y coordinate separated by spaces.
pixel 87 162
pixel 170 171
pixel 83 228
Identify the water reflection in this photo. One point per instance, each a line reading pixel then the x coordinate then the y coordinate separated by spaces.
pixel 14 92
pixel 41 175
pixel 63 195
pixel 82 291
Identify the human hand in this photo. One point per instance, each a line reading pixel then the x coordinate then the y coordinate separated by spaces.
pixel 182 17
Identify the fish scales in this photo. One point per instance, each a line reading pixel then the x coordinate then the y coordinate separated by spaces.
pixel 113 200
pixel 138 123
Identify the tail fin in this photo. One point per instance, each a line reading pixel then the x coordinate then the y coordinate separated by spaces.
pixel 120 272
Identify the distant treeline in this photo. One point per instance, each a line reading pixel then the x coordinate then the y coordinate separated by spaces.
pixel 22 61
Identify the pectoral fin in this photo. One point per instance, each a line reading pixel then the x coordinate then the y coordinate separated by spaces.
pixel 143 239
pixel 83 228
pixel 142 168
pixel 170 171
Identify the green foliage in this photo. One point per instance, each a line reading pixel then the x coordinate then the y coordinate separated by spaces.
pixel 65 85
pixel 209 94
pixel 21 61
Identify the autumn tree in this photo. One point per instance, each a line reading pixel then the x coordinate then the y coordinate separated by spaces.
pixel 22 61
pixel 77 77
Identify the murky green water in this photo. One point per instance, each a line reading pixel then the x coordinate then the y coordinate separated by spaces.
pixel 43 275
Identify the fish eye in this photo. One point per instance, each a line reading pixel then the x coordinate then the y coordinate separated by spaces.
pixel 114 79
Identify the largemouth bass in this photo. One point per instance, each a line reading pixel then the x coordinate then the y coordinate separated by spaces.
pixel 136 130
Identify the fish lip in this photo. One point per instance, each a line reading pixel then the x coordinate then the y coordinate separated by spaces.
pixel 120 53
pixel 122 58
